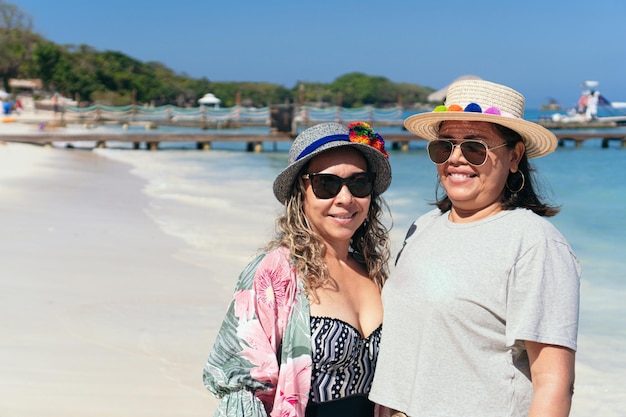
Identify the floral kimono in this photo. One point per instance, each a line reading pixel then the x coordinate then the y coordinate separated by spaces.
pixel 260 364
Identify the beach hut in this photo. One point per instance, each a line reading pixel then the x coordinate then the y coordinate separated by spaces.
pixel 209 100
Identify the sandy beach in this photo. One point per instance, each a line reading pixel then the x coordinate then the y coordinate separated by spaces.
pixel 99 316
pixel 109 310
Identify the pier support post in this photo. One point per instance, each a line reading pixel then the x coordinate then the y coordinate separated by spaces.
pixel 402 145
pixel 255 147
pixel 153 146
pixel 136 145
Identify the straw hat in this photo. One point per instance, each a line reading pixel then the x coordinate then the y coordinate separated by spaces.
pixel 484 101
pixel 325 136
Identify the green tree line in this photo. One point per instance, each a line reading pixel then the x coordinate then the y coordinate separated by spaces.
pixel 114 78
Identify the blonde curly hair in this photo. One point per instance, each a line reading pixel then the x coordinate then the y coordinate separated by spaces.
pixel 369 244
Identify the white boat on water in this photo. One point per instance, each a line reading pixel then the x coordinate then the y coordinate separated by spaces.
pixel 589 104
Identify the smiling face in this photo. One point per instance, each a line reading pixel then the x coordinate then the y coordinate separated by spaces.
pixel 336 219
pixel 475 191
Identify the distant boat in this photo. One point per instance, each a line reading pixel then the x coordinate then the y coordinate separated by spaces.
pixel 552 105
pixel 586 112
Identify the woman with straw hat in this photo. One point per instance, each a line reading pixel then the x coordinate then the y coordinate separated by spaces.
pixel 482 306
pixel 302 333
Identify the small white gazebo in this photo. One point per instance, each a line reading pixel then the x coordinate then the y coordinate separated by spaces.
pixel 209 100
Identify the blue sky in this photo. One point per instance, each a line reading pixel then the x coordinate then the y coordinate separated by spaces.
pixel 541 48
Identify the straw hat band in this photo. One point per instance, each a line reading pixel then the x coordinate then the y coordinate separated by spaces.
pixel 473 108
pixel 322 141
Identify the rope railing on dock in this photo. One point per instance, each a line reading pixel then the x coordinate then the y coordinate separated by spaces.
pixel 342 114
pixel 167 114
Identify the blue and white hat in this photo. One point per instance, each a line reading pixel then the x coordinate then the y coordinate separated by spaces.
pixel 325 136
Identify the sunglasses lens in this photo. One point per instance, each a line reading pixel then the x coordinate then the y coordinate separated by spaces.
pixel 439 151
pixel 474 152
pixel 327 186
pixel 361 185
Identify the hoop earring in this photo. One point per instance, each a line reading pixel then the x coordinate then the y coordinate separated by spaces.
pixel 521 187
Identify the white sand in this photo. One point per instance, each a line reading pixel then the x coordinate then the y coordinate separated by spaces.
pixel 103 314
pixel 98 317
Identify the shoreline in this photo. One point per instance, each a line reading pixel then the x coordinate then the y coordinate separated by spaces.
pixel 104 319
pixel 110 312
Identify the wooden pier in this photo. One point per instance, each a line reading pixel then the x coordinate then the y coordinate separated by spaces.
pixel 254 142
pixel 579 137
pixel 151 140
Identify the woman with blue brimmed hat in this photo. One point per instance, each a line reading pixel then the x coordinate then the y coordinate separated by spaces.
pixel 482 305
pixel 302 333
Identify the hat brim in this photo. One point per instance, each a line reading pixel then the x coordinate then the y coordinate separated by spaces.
pixel 377 162
pixel 538 140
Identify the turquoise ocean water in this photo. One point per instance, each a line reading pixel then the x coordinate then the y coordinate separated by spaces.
pixel 586 182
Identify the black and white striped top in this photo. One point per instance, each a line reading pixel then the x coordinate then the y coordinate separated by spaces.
pixel 343 361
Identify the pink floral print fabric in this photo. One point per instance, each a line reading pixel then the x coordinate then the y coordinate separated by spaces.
pixel 260 364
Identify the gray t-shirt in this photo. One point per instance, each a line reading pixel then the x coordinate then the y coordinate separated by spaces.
pixel 458 306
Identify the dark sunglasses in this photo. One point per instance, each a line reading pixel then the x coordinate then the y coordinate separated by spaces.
pixel 327 186
pixel 474 151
